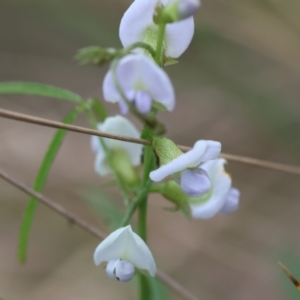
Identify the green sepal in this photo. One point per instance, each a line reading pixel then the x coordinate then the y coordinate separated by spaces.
pixel 147 133
pixel 168 61
pixel 165 149
pixel 170 13
pixel 96 55
pixel 172 191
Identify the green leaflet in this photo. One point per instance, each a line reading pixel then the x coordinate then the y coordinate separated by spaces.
pixel 40 182
pixel 37 89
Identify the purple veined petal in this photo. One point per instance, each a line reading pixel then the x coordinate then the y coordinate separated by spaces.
pixel 190 159
pixel 232 201
pixel 143 102
pixel 195 183
pixel 221 184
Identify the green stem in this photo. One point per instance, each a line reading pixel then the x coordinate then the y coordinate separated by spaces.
pixel 145 290
pixel 149 164
pixel 160 43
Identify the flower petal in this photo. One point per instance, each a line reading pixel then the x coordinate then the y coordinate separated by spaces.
pixel 137 72
pixel 117 125
pixel 124 270
pixel 187 8
pixel 112 247
pixel 157 83
pixel 202 151
pixel 221 184
pixel 137 18
pixel 139 254
pixel 178 37
pixel 137 25
pixel 143 102
pixel 110 268
pixel 126 245
pixel 110 92
pixel 195 184
pixel 232 201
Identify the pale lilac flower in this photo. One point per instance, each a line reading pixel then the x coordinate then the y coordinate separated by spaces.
pixel 124 251
pixel 142 82
pixel 222 198
pixel 116 125
pixel 137 25
pixel 187 168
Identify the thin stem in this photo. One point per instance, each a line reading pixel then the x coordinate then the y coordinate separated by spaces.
pixel 141 45
pixel 232 157
pixel 73 218
pixel 160 43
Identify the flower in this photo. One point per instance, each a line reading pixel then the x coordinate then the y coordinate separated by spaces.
pixel 187 168
pixel 137 25
pixel 124 251
pixel 132 152
pixel 222 198
pixel 142 82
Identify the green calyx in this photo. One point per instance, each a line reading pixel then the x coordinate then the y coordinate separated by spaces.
pixel 123 167
pixel 170 13
pixel 165 149
pixel 172 191
pixel 96 55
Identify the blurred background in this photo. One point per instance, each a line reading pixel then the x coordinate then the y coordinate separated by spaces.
pixel 237 83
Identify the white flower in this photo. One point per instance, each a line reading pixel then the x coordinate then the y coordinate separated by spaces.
pixel 222 198
pixel 142 82
pixel 124 251
pixel 192 178
pixel 117 125
pixel 137 26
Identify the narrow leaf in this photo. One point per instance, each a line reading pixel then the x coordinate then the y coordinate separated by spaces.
pixel 158 291
pixel 37 89
pixel 40 181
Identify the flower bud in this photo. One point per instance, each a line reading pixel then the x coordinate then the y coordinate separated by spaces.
pixel 179 10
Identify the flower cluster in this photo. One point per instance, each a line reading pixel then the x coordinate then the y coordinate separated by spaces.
pixel 162 31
